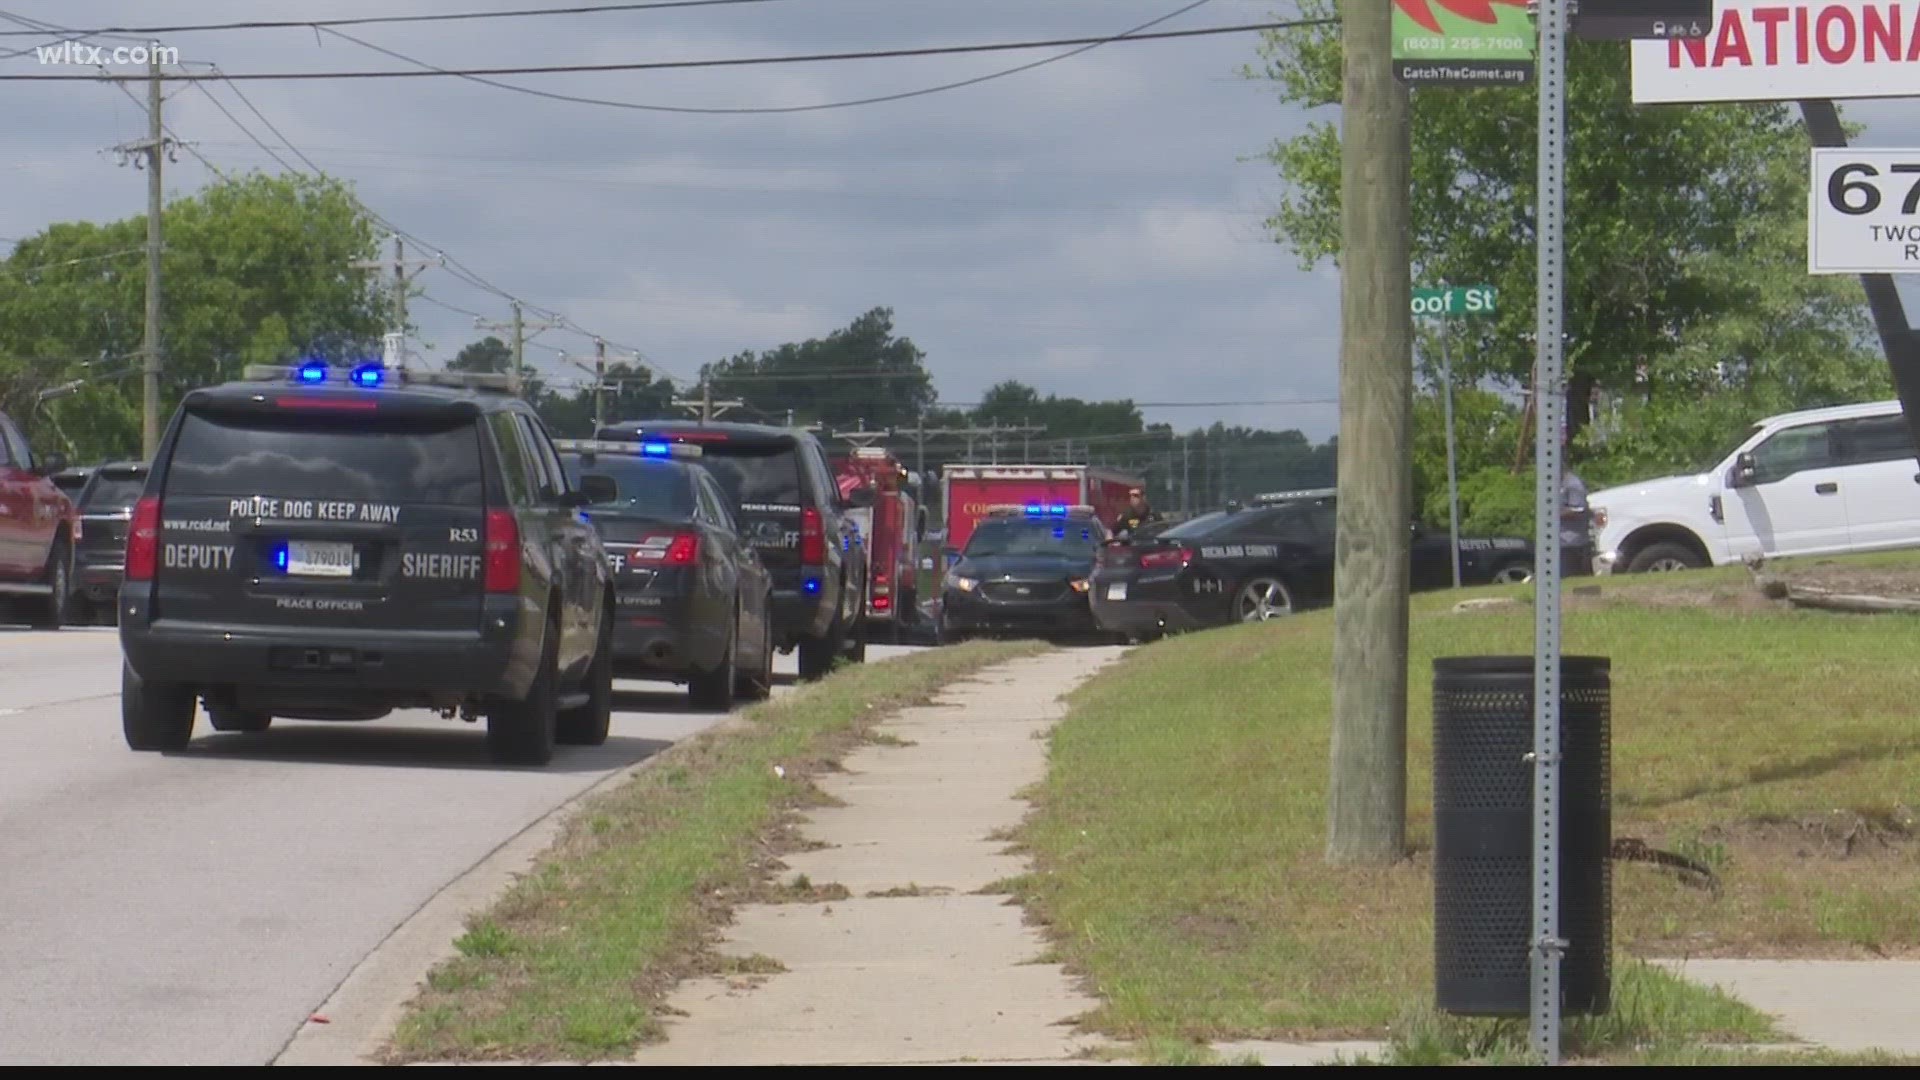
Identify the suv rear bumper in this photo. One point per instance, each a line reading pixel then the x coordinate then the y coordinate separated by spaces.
pixel 400 668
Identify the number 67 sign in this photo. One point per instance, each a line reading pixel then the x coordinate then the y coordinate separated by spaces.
pixel 1863 212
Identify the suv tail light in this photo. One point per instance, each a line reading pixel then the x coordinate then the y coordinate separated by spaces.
pixel 143 540
pixel 503 552
pixel 813 538
pixel 1164 559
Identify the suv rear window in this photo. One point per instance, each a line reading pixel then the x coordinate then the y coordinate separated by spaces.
pixel 647 486
pixel 115 491
pixel 404 460
pixel 757 475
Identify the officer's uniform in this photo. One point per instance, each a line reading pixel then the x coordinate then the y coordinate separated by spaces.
pixel 1130 520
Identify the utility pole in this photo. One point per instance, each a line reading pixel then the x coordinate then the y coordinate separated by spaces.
pixel 599 383
pixel 519 326
pixel 146 154
pixel 1186 473
pixel 704 406
pixel 1367 797
pixel 401 279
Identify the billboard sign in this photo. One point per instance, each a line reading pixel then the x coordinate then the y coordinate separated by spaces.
pixel 1863 212
pixel 1769 50
pixel 1463 42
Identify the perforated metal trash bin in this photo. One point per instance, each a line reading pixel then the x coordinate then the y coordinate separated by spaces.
pixel 1483 834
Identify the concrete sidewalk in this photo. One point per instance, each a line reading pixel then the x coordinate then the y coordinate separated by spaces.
pixel 916 966
pixel 1849 1005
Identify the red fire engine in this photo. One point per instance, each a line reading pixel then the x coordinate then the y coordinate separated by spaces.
pixel 892 526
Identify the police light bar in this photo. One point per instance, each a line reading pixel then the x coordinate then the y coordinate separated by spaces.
pixel 650 448
pixel 871 452
pixel 1294 496
pixel 372 375
pixel 1038 509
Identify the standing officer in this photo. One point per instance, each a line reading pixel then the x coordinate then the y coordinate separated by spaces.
pixel 1136 514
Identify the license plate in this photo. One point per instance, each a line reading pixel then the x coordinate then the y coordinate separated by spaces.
pixel 1117 591
pixel 307 558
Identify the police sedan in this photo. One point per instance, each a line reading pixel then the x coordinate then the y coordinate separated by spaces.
pixel 1024 570
pixel 692 598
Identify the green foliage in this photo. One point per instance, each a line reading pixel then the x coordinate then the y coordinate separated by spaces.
pixel 859 374
pixel 1486 434
pixel 1686 267
pixel 255 270
pixel 1496 502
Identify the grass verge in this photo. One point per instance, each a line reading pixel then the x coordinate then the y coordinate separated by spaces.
pixel 574 961
pixel 1179 837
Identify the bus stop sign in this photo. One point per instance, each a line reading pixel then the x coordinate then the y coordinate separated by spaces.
pixel 1630 20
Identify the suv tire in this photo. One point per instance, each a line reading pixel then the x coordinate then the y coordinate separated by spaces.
pixel 588 724
pixel 712 691
pixel 154 716
pixel 522 732
pixel 816 654
pixel 51 613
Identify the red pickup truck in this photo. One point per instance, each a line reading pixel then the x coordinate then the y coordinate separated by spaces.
pixel 39 527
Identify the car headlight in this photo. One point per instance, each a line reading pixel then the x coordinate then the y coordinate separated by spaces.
pixel 964 584
pixel 1081 584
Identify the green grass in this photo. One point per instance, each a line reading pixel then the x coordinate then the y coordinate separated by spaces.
pixel 573 962
pixel 1180 834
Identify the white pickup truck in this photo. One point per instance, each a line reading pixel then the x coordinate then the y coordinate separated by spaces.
pixel 1817 482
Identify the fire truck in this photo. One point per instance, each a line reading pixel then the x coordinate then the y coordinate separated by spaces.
pixel 893 522
pixel 969 492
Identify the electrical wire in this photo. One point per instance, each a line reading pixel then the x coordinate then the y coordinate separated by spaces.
pixel 301 24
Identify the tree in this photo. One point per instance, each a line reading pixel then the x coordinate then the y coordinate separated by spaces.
pixel 859 374
pixel 256 270
pixel 489 354
pixel 1685 231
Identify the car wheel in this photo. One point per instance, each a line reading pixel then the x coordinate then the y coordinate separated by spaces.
pixel 51 613
pixel 1513 573
pixel 856 648
pixel 1664 557
pixel 588 724
pixel 758 686
pixel 522 732
pixel 154 716
pixel 226 718
pixel 1261 599
pixel 712 691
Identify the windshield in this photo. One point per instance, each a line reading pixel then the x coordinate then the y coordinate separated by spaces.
pixel 115 491
pixel 756 476
pixel 1203 524
pixel 1067 540
pixel 1727 449
pixel 650 487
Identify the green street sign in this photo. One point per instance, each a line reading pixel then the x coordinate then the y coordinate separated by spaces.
pixel 1463 42
pixel 1459 302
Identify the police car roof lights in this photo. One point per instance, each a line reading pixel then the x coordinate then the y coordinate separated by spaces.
pixel 374 375
pixel 312 371
pixel 650 448
pixel 1039 510
pixel 368 375
pixel 1295 496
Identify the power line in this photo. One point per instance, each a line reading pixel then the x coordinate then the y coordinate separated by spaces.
pixel 430 70
pixel 300 24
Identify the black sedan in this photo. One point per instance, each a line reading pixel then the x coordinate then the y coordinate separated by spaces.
pixel 1264 562
pixel 99 559
pixel 692 599
pixel 1024 570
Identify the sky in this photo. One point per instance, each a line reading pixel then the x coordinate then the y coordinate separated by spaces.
pixel 1092 227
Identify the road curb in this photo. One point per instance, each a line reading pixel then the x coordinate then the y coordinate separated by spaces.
pixel 361 1013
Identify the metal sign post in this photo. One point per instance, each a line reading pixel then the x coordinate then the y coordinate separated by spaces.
pixel 1447 304
pixel 1550 398
pixel 1453 476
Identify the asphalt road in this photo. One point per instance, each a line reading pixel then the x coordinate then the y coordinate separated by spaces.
pixel 193 909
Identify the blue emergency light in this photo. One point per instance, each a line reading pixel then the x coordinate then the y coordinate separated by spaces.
pixel 656 449
pixel 280 557
pixel 313 371
pixel 1044 509
pixel 812 585
pixel 368 375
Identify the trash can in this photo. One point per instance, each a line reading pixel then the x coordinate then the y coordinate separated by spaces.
pixel 1483 834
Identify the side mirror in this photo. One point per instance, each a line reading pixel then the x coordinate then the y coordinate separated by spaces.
pixel 597 488
pixel 572 500
pixel 1744 472
pixel 52 463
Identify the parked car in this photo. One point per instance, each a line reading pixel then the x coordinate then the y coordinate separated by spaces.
pixel 780 487
pixel 39 526
pixel 1265 561
pixel 106 507
pixel 1024 569
pixel 1813 482
pixel 692 601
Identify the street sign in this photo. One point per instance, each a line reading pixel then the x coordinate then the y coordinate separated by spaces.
pixel 1630 20
pixel 1863 212
pixel 1459 302
pixel 1462 42
pixel 1772 50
